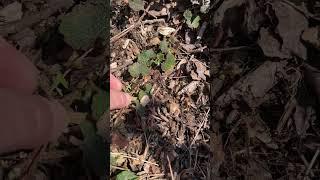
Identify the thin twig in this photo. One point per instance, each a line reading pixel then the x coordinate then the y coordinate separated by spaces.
pixel 119 168
pixel 202 30
pixel 154 21
pixel 291 104
pixel 198 50
pixel 228 49
pixel 32 163
pixel 129 157
pixel 170 168
pixel 305 162
pixel 314 158
pixel 199 129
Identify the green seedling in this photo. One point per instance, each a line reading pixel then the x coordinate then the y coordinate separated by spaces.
pixel 192 22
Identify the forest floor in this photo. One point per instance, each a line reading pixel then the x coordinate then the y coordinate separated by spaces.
pixel 225 89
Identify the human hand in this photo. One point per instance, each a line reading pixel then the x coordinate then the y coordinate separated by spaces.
pixel 26 121
pixel 118 99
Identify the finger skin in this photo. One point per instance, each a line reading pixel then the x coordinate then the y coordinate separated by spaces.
pixel 28 121
pixel 16 71
pixel 115 83
pixel 119 99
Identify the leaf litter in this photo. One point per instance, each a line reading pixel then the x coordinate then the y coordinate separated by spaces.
pixel 261 92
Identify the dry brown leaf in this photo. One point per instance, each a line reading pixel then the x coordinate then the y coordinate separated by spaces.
pixel 166 31
pixel 257 171
pixel 291 24
pixel 12 12
pixel 174 109
pixel 254 86
pixel 119 140
pixel 270 46
pixel 300 120
pixel 194 76
pixel 190 88
pixel 257 128
pixel 254 16
pixel 162 12
pixel 201 69
pixel 155 41
pixel 226 5
pixel 311 36
pixel 188 47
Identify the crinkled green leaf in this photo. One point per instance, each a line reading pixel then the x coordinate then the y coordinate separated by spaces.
pixel 159 59
pixel 95 154
pixel 169 63
pixel 195 23
pixel 148 88
pixel 59 80
pixel 164 45
pixel 137 69
pixel 141 94
pixel 126 175
pixel 188 15
pixel 136 5
pixel 100 104
pixel 145 56
pixel 84 25
pixel 192 23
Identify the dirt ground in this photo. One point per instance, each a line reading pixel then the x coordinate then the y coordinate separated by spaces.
pixel 239 102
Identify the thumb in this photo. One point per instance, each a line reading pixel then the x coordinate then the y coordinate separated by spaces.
pixel 119 99
pixel 28 121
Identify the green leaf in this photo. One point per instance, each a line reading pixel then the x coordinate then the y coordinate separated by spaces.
pixel 195 23
pixel 140 109
pixel 148 88
pixel 188 15
pixel 136 69
pixel 100 104
pixel 136 5
pixel 95 154
pixel 84 25
pixel 192 23
pixel 169 63
pixel 126 175
pixel 164 45
pixel 159 59
pixel 145 56
pixel 59 79
pixel 116 159
pixel 141 94
pixel 87 129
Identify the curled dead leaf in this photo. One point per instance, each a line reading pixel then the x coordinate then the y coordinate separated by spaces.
pixel 166 31
pixel 190 88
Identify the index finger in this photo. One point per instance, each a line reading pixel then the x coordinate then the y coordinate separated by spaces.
pixel 16 71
